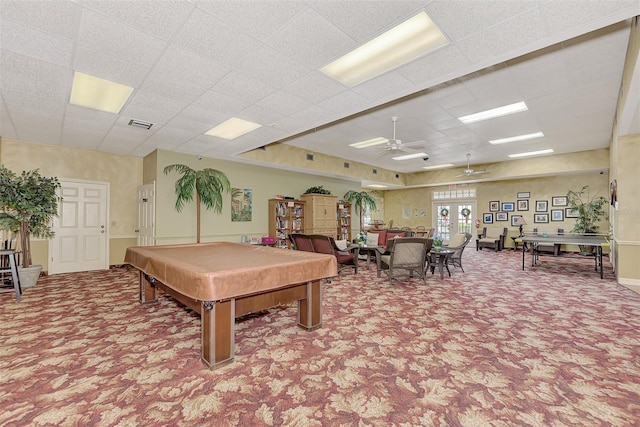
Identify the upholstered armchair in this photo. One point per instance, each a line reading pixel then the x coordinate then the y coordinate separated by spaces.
pixel 457 243
pixel 409 254
pixel 327 245
pixel 301 242
pixel 491 237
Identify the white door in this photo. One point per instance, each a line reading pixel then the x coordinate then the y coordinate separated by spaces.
pixel 454 217
pixel 146 214
pixel 82 235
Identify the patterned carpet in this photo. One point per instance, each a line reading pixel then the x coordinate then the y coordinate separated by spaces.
pixel 551 346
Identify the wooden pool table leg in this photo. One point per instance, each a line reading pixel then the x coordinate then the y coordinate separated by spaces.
pixel 310 308
pixel 218 320
pixel 148 290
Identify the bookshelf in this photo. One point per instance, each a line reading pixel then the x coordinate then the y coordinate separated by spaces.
pixel 343 220
pixel 285 217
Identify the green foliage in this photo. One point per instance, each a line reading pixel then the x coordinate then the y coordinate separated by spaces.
pixel 362 200
pixel 28 203
pixel 590 210
pixel 317 190
pixel 209 184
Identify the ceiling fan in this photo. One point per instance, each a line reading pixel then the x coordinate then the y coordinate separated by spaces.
pixel 395 146
pixel 470 172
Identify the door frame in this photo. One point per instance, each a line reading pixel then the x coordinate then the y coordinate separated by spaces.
pixel 52 241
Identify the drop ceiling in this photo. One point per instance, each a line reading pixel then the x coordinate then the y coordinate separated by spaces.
pixel 195 64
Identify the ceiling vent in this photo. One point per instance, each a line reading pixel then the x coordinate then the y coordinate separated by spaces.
pixel 140 124
pixel 310 157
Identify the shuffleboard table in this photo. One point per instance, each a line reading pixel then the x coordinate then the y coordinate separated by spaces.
pixel 224 280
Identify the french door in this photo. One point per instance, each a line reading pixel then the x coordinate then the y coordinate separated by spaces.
pixel 451 217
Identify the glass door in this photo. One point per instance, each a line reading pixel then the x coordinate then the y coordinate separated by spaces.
pixel 454 217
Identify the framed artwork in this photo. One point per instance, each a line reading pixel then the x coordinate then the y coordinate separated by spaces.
pixel 502 216
pixel 494 206
pixel 541 218
pixel 421 213
pixel 559 201
pixel 508 207
pixel 514 218
pixel 487 218
pixel 542 205
pixel 523 205
pixel 241 204
pixel 406 212
pixel 571 213
pixel 523 195
pixel 557 215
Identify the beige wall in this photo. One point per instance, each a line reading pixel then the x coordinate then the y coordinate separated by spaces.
pixel 180 227
pixel 625 169
pixel 502 191
pixel 124 173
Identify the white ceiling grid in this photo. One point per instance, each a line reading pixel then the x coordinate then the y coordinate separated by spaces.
pixel 194 64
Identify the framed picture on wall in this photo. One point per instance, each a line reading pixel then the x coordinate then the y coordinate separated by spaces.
pixel 523 205
pixel 508 206
pixel 514 218
pixel 487 218
pixel 571 213
pixel 502 216
pixel 494 206
pixel 557 215
pixel 542 205
pixel 541 218
pixel 559 201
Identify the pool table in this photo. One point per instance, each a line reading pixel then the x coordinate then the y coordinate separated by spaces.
pixel 225 280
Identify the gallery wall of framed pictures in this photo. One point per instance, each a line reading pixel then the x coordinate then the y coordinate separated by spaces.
pixel 544 211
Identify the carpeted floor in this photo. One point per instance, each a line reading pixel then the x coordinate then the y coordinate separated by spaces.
pixel 551 346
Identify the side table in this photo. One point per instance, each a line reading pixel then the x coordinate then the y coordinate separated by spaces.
pixel 439 259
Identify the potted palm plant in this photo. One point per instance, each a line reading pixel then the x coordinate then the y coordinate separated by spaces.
pixel 590 211
pixel 28 203
pixel 208 184
pixel 361 200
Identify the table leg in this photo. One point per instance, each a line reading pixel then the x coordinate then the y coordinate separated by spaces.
pixel 148 291
pixel 378 262
pixel 599 249
pixel 441 266
pixel 218 320
pixel 523 251
pixel 310 308
pixel 446 264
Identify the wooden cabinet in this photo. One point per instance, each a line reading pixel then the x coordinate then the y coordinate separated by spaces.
pixel 343 216
pixel 320 215
pixel 285 217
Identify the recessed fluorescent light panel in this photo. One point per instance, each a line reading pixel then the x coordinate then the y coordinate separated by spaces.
pixel 410 156
pixel 531 153
pixel 404 43
pixel 442 166
pixel 99 94
pixel 495 112
pixel 377 186
pixel 369 142
pixel 517 138
pixel 233 128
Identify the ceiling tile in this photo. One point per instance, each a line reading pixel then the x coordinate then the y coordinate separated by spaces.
pixel 59 17
pixel 159 18
pixel 27 41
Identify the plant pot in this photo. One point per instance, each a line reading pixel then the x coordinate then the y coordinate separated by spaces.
pixel 29 276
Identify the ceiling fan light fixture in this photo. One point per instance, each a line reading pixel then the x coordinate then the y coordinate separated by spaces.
pixel 233 128
pixel 410 156
pixel 517 138
pixel 369 142
pixel 404 43
pixel 531 153
pixel 505 110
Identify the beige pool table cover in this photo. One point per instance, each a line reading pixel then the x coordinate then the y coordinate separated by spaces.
pixel 223 270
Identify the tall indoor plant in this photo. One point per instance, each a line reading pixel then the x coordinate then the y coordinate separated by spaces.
pixel 28 203
pixel 590 211
pixel 208 184
pixel 362 200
